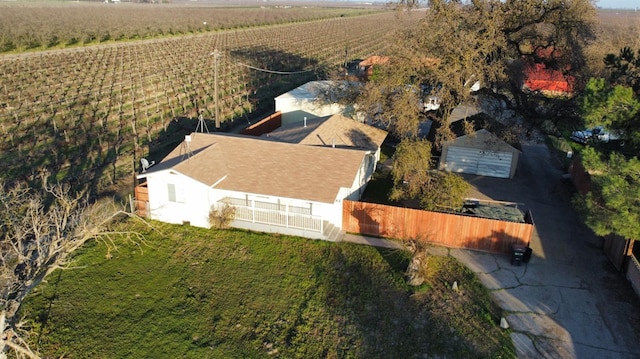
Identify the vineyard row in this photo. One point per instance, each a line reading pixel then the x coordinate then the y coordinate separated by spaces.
pixel 29 26
pixel 72 113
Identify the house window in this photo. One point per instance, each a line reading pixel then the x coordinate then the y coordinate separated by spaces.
pixel 175 193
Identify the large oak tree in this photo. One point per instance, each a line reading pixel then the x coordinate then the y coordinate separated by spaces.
pixel 490 41
pixel 456 45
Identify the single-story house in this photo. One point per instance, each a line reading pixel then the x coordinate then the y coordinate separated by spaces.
pixel 311 100
pixel 274 186
pixel 480 153
pixel 332 131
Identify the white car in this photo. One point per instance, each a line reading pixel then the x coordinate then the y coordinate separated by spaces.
pixel 596 134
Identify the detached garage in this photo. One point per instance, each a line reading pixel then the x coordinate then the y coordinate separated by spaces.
pixel 481 153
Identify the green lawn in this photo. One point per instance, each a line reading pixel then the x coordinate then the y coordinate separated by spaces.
pixel 196 293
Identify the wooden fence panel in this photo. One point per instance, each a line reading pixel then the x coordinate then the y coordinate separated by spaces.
pixel 141 194
pixel 451 230
pixel 266 125
pixel 616 249
pixel 633 274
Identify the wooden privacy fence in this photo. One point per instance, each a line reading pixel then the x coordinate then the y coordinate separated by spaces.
pixel 450 230
pixel 265 125
pixel 141 193
pixel 633 274
pixel 617 249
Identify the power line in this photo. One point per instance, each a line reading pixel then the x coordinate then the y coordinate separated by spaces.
pixel 274 72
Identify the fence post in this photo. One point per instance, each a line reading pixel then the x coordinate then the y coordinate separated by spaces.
pixel 253 211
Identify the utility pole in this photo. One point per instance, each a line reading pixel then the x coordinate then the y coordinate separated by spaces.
pixel 216 56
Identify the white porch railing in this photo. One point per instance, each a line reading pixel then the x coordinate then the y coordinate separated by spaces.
pixel 274 214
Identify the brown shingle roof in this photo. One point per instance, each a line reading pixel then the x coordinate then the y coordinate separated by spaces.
pixel 251 165
pixel 331 130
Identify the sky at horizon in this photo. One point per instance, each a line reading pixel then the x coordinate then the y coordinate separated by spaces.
pixel 619 4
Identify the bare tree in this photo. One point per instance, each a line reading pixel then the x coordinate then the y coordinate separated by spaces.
pixel 39 230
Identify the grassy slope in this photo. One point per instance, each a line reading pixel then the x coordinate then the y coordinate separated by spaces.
pixel 195 293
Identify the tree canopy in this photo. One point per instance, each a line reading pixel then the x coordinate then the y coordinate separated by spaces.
pixel 486 41
pixel 616 107
pixel 454 47
pixel 624 68
pixel 413 178
pixel 613 204
pixel 614 102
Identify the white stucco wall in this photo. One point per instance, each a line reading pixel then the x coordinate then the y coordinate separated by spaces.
pixel 354 193
pixel 196 199
pixel 295 110
pixel 363 176
pixel 190 205
pixel 308 101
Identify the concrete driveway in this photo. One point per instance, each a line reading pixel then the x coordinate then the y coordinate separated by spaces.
pixel 568 301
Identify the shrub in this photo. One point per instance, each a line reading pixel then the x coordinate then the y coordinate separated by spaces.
pixel 220 218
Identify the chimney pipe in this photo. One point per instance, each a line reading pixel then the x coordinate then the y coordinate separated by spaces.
pixel 305 121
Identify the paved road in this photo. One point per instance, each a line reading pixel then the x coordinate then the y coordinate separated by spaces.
pixel 568 301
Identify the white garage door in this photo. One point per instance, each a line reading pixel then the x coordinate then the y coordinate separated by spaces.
pixel 474 161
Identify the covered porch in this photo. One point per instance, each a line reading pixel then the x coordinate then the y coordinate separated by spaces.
pixel 276 217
